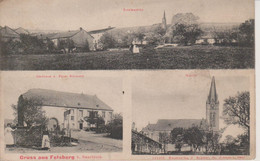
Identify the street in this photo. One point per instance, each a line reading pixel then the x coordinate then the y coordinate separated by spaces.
pixel 88 142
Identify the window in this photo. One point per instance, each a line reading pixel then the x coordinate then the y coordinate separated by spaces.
pixel 80 113
pixel 103 114
pixel 72 118
pixel 110 115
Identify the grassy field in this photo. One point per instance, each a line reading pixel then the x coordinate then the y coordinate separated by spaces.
pixel 189 57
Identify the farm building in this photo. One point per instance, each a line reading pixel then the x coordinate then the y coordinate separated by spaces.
pixel 66 110
pixel 80 37
pixel 97 34
pixel 8 34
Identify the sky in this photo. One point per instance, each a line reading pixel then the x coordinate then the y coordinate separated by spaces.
pixel 179 96
pixel 96 14
pixel 107 88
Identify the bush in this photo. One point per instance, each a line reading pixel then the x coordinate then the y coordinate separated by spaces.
pixel 107 41
pixel 115 127
pixel 29 137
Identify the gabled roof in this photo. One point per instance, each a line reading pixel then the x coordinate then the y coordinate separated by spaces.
pixel 8 32
pixel 66 99
pixel 170 124
pixel 21 30
pixel 212 92
pixel 67 34
pixel 100 30
pixel 146 138
pixel 44 35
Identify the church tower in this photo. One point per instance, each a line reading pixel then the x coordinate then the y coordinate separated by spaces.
pixel 212 107
pixel 164 24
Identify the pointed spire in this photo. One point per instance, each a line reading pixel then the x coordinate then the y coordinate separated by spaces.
pixel 213 92
pixel 164 24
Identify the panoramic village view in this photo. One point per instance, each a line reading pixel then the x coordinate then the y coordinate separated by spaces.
pixel 178 39
pixel 49 119
pixel 203 120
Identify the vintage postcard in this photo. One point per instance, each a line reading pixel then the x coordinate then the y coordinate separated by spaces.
pixel 126 34
pixel 127 80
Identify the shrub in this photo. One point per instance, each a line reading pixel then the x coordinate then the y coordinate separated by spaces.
pixel 115 127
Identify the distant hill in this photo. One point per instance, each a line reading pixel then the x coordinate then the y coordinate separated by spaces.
pixel 206 27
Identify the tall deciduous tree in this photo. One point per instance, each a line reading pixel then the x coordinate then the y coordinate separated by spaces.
pixel 194 137
pixel 177 135
pixel 32 111
pixel 186 34
pixel 247 32
pixel 108 41
pixel 184 29
pixel 164 138
pixel 237 110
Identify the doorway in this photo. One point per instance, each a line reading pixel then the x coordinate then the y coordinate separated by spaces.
pixel 80 126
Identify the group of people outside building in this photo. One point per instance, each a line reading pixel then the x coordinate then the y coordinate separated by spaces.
pixel 10 142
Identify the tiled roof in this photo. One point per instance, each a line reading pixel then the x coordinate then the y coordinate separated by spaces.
pixel 44 35
pixel 66 99
pixel 169 124
pixel 67 34
pixel 8 32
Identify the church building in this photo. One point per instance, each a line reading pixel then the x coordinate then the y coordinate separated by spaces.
pixel 167 125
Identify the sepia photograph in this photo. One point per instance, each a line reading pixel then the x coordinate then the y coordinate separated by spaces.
pixel 61 113
pixel 123 34
pixel 198 113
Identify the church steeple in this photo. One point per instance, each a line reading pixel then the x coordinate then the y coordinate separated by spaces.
pixel 212 107
pixel 213 97
pixel 164 24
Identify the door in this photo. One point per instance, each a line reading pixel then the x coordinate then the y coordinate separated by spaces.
pixel 80 126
